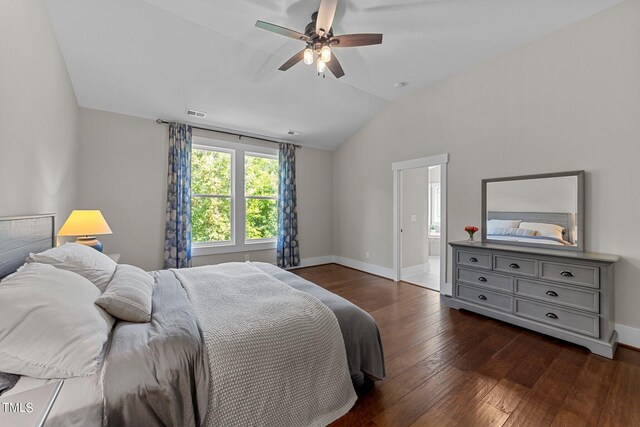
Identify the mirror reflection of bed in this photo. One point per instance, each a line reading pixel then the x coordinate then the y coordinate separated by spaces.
pixel 532 227
pixel 535 210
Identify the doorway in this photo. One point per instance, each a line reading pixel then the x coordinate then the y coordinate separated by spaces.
pixel 420 222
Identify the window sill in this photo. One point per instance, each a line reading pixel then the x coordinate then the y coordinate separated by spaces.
pixel 203 250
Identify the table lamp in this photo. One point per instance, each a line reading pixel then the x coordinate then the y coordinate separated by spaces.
pixel 86 225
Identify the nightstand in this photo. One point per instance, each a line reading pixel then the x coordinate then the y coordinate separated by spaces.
pixel 115 257
pixel 29 408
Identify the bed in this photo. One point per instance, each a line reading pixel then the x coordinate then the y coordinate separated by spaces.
pixel 562 235
pixel 223 347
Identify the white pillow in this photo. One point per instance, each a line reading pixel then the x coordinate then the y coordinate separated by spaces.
pixel 81 259
pixel 503 223
pixel 549 230
pixel 50 326
pixel 128 296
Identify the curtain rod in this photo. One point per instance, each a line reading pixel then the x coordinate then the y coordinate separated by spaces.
pixel 239 135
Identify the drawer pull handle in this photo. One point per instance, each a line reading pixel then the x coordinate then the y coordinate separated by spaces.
pixel 482 279
pixel 566 273
pixel 551 316
pixel 472 259
pixel 482 297
pixel 514 265
pixel 551 294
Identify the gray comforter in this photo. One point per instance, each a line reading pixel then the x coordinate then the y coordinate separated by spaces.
pixel 157 373
pixel 359 330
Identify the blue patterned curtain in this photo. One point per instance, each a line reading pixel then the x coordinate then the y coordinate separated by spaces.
pixel 177 242
pixel 288 252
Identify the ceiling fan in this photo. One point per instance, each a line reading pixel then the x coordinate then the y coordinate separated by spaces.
pixel 318 35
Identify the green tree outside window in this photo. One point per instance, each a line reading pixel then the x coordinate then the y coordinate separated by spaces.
pixel 212 195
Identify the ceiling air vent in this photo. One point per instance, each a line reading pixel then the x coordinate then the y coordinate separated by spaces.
pixel 195 113
pixel 294 133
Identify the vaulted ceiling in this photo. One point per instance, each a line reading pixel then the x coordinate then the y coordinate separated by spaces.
pixel 157 58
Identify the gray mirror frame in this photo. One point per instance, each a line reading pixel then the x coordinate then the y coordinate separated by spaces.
pixel 580 217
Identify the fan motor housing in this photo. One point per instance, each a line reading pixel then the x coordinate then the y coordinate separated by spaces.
pixel 310 29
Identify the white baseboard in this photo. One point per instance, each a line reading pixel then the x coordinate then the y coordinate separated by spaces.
pixel 415 269
pixel 366 267
pixel 310 262
pixel 628 335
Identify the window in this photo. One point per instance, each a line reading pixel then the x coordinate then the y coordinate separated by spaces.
pixel 212 196
pixel 261 193
pixel 234 206
pixel 434 208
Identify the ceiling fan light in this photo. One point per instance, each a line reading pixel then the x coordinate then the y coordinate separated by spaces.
pixel 325 53
pixel 321 65
pixel 308 56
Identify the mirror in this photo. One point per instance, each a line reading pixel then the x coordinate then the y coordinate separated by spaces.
pixel 535 210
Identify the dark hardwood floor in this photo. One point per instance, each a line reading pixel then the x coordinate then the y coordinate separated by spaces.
pixel 454 368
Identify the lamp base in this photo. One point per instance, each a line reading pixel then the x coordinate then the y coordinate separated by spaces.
pixel 91 242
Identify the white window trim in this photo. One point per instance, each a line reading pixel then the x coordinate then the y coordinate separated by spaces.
pixel 238 200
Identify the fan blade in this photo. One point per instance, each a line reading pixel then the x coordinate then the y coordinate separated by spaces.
pixel 292 61
pixel 335 67
pixel 326 12
pixel 281 30
pixel 353 40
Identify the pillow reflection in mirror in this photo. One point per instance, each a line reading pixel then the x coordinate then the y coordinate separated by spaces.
pixel 516 232
pixel 551 230
pixel 503 223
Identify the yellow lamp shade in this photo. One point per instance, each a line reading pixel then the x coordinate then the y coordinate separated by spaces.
pixel 85 223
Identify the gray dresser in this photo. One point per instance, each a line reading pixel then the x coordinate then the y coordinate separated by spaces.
pixel 565 294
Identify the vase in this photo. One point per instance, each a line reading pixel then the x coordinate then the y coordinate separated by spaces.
pixel 470 239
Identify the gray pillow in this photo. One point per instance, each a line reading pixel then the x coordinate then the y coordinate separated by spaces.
pixel 7 381
pixel 128 294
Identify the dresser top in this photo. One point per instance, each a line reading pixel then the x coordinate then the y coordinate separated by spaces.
pixel 587 256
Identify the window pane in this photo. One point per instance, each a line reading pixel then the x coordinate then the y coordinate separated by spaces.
pixel 262 218
pixel 210 172
pixel 211 219
pixel 261 176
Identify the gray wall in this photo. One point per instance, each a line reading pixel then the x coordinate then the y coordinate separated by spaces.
pixel 415 190
pixel 568 101
pixel 38 116
pixel 124 174
pixel 124 167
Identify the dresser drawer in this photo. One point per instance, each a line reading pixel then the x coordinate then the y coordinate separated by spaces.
pixel 514 265
pixel 582 323
pixel 485 279
pixel 474 259
pixel 570 297
pixel 574 274
pixel 484 297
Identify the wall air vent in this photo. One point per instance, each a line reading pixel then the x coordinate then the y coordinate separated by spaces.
pixel 195 113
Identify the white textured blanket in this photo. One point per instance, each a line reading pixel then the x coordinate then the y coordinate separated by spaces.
pixel 276 355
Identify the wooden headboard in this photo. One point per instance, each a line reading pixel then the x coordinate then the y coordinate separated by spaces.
pixel 565 220
pixel 21 235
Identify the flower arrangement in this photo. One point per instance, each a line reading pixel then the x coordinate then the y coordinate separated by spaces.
pixel 471 229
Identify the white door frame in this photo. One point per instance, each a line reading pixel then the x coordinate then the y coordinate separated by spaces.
pixel 397 167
